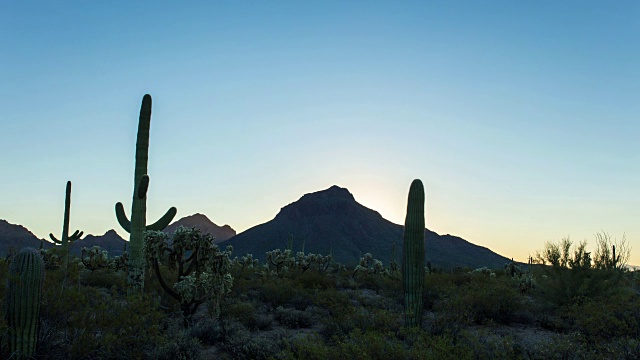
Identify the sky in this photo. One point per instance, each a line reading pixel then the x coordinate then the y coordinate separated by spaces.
pixel 521 118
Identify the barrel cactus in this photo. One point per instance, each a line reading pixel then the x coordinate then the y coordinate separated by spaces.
pixel 413 256
pixel 22 307
pixel 138 223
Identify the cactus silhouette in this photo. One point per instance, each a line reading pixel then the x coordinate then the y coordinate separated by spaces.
pixel 413 256
pixel 22 307
pixel 138 223
pixel 66 241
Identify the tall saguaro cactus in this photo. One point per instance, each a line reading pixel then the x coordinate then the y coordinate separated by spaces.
pixel 138 223
pixel 22 307
pixel 413 256
pixel 66 240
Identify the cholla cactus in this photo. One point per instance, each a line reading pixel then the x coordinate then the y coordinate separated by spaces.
pixel 120 262
pixel 303 262
pixel 202 269
pixel 321 261
pixel 512 269
pixel 281 260
pixel 369 265
pixel 306 261
pixel 95 258
pixel 484 271
pixel 525 282
pixel 51 258
pixel 247 261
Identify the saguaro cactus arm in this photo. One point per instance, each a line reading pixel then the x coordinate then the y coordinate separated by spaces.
pixel 122 217
pixel 159 225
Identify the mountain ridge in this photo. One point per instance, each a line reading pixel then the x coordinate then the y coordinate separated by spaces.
pixel 332 220
pixel 329 220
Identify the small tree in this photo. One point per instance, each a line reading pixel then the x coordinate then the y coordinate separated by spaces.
pixel 559 255
pixel 611 254
pixel 202 269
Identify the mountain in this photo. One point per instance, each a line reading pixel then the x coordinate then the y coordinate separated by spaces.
pixel 16 237
pixel 333 220
pixel 110 241
pixel 200 221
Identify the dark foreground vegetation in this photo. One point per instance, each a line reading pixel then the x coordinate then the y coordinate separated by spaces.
pixel 306 307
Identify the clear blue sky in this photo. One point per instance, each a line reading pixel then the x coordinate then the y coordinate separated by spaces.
pixel 521 118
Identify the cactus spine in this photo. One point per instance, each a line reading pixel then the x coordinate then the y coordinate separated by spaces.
pixel 413 256
pixel 66 241
pixel 24 291
pixel 138 223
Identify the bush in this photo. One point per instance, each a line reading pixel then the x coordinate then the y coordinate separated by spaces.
pixel 608 317
pixel 181 346
pixel 482 300
pixel 244 312
pixel 292 318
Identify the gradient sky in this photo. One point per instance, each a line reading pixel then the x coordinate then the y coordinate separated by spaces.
pixel 521 118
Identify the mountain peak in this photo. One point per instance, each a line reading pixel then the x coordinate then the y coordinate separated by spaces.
pixel 111 232
pixel 202 222
pixel 197 216
pixel 334 200
pixel 335 191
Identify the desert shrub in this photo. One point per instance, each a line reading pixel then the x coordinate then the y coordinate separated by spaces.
pixel 284 292
pixel 244 312
pixel 206 330
pixel 484 344
pixel 338 308
pixel 104 278
pixel 482 300
pixel 373 344
pixel 239 343
pixel 436 286
pixel 292 318
pixel 560 347
pixel 370 345
pixel 264 322
pixel 310 347
pixel 362 319
pixel 560 287
pixel 88 322
pixel 422 345
pixel 313 279
pixel 379 283
pixel 608 317
pixel 371 299
pixel 179 346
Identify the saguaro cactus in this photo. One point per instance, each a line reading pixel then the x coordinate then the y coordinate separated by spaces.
pixel 66 240
pixel 24 291
pixel 138 223
pixel 413 256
